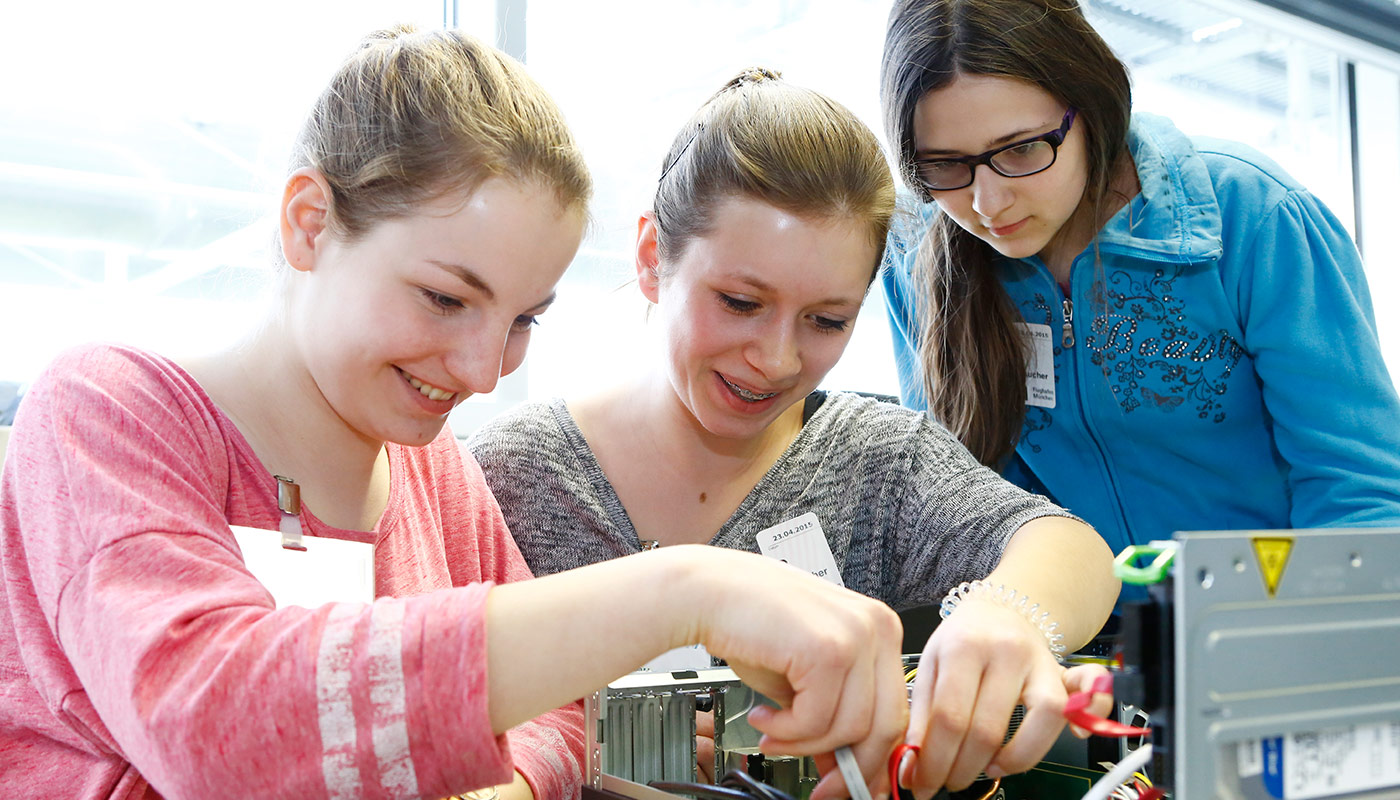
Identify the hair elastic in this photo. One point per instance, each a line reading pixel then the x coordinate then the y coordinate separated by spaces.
pixel 1006 597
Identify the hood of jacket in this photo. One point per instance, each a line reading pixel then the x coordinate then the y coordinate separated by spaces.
pixel 1176 216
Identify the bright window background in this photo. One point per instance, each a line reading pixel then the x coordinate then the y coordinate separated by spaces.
pixel 141 151
pixel 648 70
pixel 142 148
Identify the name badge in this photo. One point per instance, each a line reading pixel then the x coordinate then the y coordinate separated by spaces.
pixel 1040 370
pixel 327 571
pixel 801 543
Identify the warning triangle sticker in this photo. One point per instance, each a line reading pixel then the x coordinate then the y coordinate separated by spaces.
pixel 1273 558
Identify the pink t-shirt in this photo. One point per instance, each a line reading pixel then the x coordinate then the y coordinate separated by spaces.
pixel 138 656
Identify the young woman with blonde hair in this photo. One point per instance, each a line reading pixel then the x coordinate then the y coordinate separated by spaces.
pixel 434 200
pixel 766 232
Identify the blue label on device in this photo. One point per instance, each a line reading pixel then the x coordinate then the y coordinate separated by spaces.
pixel 1273 766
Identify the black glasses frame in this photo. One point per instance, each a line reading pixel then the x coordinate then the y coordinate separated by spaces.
pixel 1054 138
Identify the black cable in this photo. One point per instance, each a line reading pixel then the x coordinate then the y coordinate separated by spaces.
pixel 735 785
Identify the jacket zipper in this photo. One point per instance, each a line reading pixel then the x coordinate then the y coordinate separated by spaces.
pixel 1067 331
pixel 1067 341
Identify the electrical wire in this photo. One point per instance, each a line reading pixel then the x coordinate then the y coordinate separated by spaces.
pixel 735 785
pixel 1120 774
pixel 897 762
pixel 996 784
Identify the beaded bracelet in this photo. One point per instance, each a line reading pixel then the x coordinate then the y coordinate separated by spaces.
pixel 1008 598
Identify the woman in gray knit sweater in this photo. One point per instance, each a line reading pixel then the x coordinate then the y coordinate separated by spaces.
pixel 768 226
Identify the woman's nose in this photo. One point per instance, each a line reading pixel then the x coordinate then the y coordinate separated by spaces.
pixel 774 352
pixel 991 193
pixel 476 364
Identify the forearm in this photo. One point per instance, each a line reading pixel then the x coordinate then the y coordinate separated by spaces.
pixel 828 656
pixel 574 618
pixel 1067 568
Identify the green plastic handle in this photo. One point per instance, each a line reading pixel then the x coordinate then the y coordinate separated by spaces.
pixel 1162 557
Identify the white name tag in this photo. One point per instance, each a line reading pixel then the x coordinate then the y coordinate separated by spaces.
pixel 801 543
pixel 328 571
pixel 1040 370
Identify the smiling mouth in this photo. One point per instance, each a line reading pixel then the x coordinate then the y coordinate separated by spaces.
pixel 745 394
pixel 426 389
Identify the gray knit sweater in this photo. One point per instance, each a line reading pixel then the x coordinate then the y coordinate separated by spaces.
pixel 907 510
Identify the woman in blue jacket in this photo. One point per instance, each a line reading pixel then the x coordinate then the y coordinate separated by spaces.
pixel 1160 333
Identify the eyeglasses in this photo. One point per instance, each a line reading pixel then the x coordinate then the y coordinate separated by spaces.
pixel 1015 160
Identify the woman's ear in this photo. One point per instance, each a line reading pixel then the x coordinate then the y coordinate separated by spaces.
pixel 648 260
pixel 305 215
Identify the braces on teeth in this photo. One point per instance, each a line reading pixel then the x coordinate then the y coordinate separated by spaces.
pixel 745 393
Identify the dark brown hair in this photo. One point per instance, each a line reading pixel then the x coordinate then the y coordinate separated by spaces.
pixel 972 354
pixel 790 147
pixel 412 115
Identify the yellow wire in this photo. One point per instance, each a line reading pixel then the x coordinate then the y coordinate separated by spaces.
pixel 995 785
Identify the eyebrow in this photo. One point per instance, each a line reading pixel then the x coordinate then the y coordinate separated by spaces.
pixel 466 276
pixel 545 303
pixel 762 286
pixel 470 278
pixel 1024 133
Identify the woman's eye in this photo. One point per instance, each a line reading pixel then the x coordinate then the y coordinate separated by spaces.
pixel 524 322
pixel 443 302
pixel 737 305
pixel 829 324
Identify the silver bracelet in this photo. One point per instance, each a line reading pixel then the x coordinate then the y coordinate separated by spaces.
pixel 1006 597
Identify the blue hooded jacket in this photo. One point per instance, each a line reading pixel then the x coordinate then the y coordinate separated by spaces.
pixel 1225 372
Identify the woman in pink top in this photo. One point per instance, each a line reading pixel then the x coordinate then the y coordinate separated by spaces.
pixel 435 199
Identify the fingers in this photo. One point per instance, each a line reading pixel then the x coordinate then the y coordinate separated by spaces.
pixel 705 724
pixel 813 701
pixel 943 701
pixel 705 759
pixel 705 746
pixel 889 724
pixel 1044 697
pixel 1082 679
pixel 974 670
pixel 770 683
pixel 1101 706
pixel 850 719
pixel 828 656
pixel 847 686
pixel 871 713
pixel 995 701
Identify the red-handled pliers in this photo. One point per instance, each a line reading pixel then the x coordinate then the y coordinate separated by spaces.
pixel 1077 712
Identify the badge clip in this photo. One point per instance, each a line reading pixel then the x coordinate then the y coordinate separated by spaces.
pixel 289 501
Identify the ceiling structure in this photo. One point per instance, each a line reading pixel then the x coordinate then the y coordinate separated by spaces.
pixel 154 200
